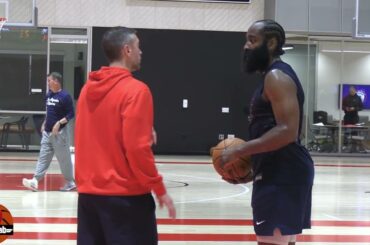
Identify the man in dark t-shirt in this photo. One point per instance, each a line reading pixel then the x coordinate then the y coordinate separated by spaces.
pixel 352 103
pixel 55 136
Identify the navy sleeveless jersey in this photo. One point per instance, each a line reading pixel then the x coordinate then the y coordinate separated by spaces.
pixel 291 164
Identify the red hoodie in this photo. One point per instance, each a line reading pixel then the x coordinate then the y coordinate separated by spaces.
pixel 113 136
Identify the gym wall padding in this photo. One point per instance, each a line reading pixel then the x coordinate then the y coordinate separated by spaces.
pixel 203 67
pixel 20 73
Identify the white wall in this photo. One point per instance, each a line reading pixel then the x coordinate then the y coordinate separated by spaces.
pixel 330 72
pixel 150 14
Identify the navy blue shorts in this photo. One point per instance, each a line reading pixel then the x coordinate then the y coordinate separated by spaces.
pixel 116 220
pixel 287 207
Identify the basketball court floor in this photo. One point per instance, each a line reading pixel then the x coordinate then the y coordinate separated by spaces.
pixel 209 210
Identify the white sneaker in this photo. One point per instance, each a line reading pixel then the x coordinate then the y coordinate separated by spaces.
pixel 69 186
pixel 31 184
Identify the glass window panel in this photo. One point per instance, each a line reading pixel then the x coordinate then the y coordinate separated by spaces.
pixel 355 70
pixel 23 62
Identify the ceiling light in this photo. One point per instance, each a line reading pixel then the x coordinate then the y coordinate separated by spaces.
pixel 344 51
pixel 288 47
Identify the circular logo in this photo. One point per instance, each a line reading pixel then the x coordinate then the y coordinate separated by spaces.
pixel 6 223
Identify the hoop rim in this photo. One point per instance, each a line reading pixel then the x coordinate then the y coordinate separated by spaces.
pixel 3 19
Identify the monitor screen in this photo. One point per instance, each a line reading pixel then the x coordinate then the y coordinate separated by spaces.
pixel 363 91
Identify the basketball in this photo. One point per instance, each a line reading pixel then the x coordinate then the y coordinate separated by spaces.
pixel 241 168
pixel 6 222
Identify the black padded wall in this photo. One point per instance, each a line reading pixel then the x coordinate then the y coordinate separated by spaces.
pixel 203 67
pixel 20 73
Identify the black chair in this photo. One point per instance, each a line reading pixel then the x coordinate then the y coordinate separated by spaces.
pixel 320 117
pixel 38 121
pixel 321 136
pixel 321 139
pixel 17 127
pixel 354 139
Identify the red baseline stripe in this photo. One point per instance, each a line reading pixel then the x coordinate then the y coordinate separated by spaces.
pixel 45 220
pixel 234 222
pixel 200 237
pixel 334 238
pixel 207 237
pixel 342 165
pixel 252 237
pixel 43 235
pixel 340 223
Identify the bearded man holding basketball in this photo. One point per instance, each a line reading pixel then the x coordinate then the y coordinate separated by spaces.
pixel 283 170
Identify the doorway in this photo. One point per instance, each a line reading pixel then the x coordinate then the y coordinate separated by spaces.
pixel 68 55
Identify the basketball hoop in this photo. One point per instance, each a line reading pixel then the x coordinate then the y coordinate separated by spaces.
pixel 2 22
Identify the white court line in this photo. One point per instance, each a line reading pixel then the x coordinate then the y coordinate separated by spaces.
pixel 332 217
pixel 246 189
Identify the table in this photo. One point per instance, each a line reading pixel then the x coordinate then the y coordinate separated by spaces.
pixel 353 136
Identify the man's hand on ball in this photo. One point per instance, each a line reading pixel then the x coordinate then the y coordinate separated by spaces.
pixel 228 155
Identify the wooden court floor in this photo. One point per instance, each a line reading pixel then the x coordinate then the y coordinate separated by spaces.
pixel 209 210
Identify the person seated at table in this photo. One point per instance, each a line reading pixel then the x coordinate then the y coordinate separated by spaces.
pixel 352 103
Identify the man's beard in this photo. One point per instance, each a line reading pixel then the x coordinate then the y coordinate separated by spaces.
pixel 256 59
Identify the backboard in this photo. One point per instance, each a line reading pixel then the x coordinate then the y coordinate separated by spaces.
pixel 18 12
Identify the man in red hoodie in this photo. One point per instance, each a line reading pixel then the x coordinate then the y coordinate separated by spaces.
pixel 115 169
